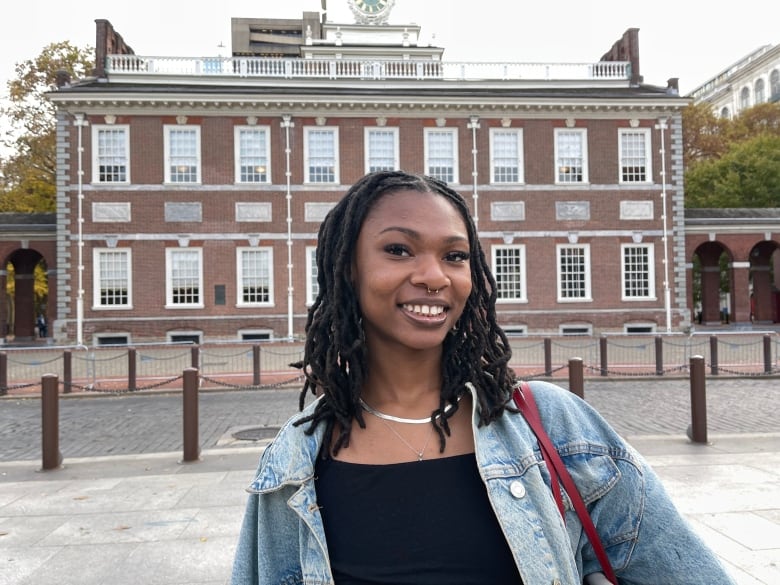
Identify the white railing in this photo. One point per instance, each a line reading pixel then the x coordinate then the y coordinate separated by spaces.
pixel 255 67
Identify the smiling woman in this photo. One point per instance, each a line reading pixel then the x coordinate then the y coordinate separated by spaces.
pixel 410 467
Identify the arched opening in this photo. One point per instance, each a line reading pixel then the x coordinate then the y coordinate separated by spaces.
pixel 764 293
pixel 712 284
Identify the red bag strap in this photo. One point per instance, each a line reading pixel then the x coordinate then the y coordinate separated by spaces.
pixel 524 399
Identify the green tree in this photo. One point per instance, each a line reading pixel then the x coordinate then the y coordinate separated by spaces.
pixel 704 134
pixel 748 175
pixel 28 174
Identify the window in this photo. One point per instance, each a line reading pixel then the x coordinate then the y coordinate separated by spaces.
pixel 184 277
pixel 111 339
pixel 255 276
pixel 637 272
pixel 774 85
pixel 321 154
pixel 635 156
pixel 112 282
pixel 381 149
pixel 571 161
pixel 110 158
pixel 509 272
pixel 638 328
pixel 573 272
pixel 725 114
pixel 441 154
pixel 312 286
pixel 191 337
pixel 506 155
pixel 256 335
pixel 758 92
pixel 744 98
pixel 252 149
pixel 575 330
pixel 182 154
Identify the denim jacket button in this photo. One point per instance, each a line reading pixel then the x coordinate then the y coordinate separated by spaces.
pixel 517 489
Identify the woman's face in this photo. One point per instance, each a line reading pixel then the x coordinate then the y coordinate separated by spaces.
pixel 411 242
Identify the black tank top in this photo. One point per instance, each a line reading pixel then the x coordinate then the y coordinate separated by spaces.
pixel 421 523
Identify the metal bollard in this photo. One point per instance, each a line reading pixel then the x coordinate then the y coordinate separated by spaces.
pixel 714 355
pixel 256 365
pixel 659 355
pixel 3 373
pixel 132 384
pixel 195 356
pixel 604 359
pixel 547 356
pixel 576 377
pixel 697 432
pixel 190 415
pixel 67 371
pixel 50 423
pixel 767 354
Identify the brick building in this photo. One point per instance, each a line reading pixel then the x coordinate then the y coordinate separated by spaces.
pixel 190 190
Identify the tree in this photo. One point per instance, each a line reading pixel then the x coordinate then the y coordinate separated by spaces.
pixel 704 134
pixel 748 175
pixel 28 174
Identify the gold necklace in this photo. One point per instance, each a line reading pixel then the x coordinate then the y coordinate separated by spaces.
pixel 419 453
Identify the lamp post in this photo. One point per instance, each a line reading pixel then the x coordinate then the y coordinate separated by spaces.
pixel 473 125
pixel 667 293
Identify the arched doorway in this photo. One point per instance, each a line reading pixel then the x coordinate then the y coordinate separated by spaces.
pixel 712 283
pixel 26 294
pixel 764 295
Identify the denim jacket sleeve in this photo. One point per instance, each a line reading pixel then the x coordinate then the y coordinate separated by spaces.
pixel 646 538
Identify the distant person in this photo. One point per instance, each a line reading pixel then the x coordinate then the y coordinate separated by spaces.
pixel 43 329
pixel 412 465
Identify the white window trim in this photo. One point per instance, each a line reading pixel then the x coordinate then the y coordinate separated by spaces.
pixel 237 152
pixel 96 279
pixel 169 283
pixel 98 336
pixel 588 268
pixel 584 133
pixel 523 298
pixel 651 272
pixel 311 264
pixel 264 332
pixel 648 155
pixel 95 163
pixel 240 275
pixel 515 330
pixel 520 156
pixel 562 329
pixel 167 152
pixel 366 142
pixel 192 332
pixel 455 148
pixel 336 163
pixel 650 325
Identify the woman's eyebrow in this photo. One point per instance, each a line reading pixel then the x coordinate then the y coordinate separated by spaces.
pixel 416 235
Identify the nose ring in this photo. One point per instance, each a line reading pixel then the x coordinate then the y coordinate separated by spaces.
pixel 432 292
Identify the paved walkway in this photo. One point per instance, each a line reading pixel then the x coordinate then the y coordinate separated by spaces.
pixel 143 517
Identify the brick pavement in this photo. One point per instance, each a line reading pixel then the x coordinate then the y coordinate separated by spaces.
pixel 152 422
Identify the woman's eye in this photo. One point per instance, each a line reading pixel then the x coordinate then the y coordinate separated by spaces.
pixel 458 256
pixel 397 250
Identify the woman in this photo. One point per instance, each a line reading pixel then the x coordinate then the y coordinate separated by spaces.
pixel 412 466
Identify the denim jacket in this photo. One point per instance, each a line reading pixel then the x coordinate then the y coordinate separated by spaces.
pixel 282 540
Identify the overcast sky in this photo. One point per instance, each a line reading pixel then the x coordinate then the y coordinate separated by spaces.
pixel 688 40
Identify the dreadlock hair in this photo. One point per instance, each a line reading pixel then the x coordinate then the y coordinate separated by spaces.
pixel 335 353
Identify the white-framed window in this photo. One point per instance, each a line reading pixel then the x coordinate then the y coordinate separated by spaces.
pixel 637 271
pixel 639 328
pixel 182 154
pixel 774 85
pixel 441 154
pixel 114 338
pixel 321 154
pixel 635 155
pixel 573 272
pixel 759 95
pixel 184 278
pixel 256 334
pixel 744 98
pixel 725 113
pixel 509 271
pixel 571 155
pixel 381 149
pixel 192 337
pixel 255 276
pixel 252 152
pixel 575 329
pixel 506 155
pixel 110 154
pixel 515 330
pixel 112 278
pixel 312 286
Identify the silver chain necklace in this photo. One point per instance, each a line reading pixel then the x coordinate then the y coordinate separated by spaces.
pixel 419 453
pixel 399 419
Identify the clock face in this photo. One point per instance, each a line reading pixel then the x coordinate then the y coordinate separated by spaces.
pixel 371 11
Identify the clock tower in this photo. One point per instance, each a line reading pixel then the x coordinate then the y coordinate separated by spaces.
pixel 371 11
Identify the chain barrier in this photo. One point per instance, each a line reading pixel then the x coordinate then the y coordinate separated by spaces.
pixel 772 372
pixel 4 391
pixel 620 373
pixel 544 374
pixel 95 389
pixel 297 379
